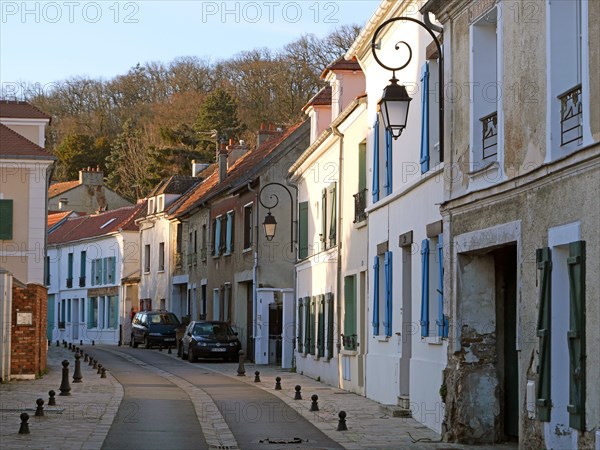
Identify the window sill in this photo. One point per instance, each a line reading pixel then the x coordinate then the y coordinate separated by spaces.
pixel 247 250
pixel 361 224
pixel 382 338
pixel 160 271
pixel 345 352
pixel 484 169
pixel 432 340
pixel 227 254
pixel 146 272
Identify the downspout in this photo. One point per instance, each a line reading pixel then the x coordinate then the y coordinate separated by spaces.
pixel 254 271
pixel 340 190
pixel 294 251
pixel 49 173
pixel 432 26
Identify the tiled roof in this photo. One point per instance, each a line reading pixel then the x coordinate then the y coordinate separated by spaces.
pixel 242 171
pixel 323 97
pixel 12 109
pixel 177 184
pixel 58 188
pixel 342 64
pixel 12 144
pixel 85 227
pixel 55 217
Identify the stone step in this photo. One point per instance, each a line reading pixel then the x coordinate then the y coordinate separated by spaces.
pixel 394 411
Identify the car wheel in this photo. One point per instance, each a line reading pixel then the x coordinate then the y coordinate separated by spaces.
pixel 147 342
pixel 132 342
pixel 191 357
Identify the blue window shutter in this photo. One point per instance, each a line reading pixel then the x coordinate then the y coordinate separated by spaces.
pixel 376 296
pixel 425 288
pixel 442 320
pixel 425 118
pixel 388 293
pixel 376 161
pixel 217 236
pixel 388 162
pixel 93 272
pixel 229 233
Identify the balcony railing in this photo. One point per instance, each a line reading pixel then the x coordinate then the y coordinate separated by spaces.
pixel 490 135
pixel 350 342
pixel 360 205
pixel 81 281
pixel 69 282
pixel 571 114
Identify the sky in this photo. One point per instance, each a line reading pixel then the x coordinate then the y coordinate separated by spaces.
pixel 48 41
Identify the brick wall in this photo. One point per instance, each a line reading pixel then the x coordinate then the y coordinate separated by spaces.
pixel 29 342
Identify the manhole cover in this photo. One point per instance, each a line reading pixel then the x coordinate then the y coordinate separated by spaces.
pixel 294 440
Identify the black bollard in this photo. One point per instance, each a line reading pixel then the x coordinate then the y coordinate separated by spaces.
pixel 51 399
pixel 80 342
pixel 24 428
pixel 77 377
pixel 85 357
pixel 314 406
pixel 298 395
pixel 57 343
pixel 99 369
pixel 70 346
pixel 65 344
pixel 241 372
pixel 103 373
pixel 95 365
pixel 65 387
pixel 257 377
pixel 169 351
pixel 277 383
pixel 342 422
pixel 91 361
pixel 93 342
pixel 77 350
pixel 39 411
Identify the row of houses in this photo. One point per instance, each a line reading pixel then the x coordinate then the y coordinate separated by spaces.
pixel 452 274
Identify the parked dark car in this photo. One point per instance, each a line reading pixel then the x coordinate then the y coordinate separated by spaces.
pixel 154 328
pixel 210 339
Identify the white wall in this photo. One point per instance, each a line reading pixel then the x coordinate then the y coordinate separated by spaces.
pixel 155 284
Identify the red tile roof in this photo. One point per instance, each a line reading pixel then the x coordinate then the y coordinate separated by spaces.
pixel 323 97
pixel 342 64
pixel 13 109
pixel 12 144
pixel 58 188
pixel 239 173
pixel 55 217
pixel 86 227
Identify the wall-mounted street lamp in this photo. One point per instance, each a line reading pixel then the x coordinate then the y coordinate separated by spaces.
pixel 270 224
pixel 395 100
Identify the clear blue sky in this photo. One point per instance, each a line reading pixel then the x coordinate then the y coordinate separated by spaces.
pixel 49 41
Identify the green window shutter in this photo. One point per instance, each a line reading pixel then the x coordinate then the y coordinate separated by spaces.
pixel 104 270
pixel 321 330
pixel 217 236
pixel 6 220
pixel 350 313
pixel 543 401
pixel 93 272
pixel 329 303
pixel 114 306
pixel 311 326
pixel 332 210
pixel 362 167
pixel 303 230
pixel 90 313
pixel 576 335
pixel 82 263
pixel 300 325
pixel 324 218
pixel 70 266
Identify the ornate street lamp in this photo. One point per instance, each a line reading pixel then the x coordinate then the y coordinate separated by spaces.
pixel 395 100
pixel 270 224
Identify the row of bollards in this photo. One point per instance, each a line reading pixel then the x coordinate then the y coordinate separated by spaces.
pixel 65 387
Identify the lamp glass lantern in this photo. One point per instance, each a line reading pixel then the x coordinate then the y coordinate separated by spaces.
pixel 269 225
pixel 394 105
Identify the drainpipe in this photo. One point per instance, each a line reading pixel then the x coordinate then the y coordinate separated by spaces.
pixel 432 26
pixel 254 270
pixel 340 190
pixel 295 253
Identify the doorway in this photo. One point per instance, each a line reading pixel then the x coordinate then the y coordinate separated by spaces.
pixel 275 331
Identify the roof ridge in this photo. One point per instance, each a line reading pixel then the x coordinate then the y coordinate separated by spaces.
pixel 23 102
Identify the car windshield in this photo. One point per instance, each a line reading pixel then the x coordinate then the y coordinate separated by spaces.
pixel 212 329
pixel 163 319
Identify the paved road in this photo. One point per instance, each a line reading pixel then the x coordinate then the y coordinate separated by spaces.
pixel 163 408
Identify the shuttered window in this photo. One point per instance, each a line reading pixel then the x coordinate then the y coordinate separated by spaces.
pixel 425 288
pixel 442 320
pixel 576 335
pixel 387 323
pixel 543 401
pixel 303 230
pixel 217 236
pixel 376 161
pixel 92 321
pixel 332 192
pixel 323 234
pixel 330 338
pixel 300 325
pixel 389 185
pixel 310 326
pixel 376 296
pixel 321 326
pixel 6 219
pixel 229 231
pixel 350 330
pixel 425 118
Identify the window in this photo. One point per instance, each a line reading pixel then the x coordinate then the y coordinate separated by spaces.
pixel 70 270
pixel 310 326
pixel 433 320
pixel 147 258
pixel 248 226
pixel 217 236
pixel 92 321
pixel 301 321
pixel 382 293
pixel 350 329
pixel 112 315
pixel 303 230
pixel 160 204
pixel 151 206
pixel 204 242
pixel 485 93
pixel 329 307
pixel 567 48
pixel 161 257
pixel 382 162
pixel 320 326
pixel 6 220
pixel 82 267
pixel 328 217
pixel 111 270
pixel 229 233
pixel 360 198
pixel 430 125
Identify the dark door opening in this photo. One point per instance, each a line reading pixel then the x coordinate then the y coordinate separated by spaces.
pixel 249 322
pixel 275 332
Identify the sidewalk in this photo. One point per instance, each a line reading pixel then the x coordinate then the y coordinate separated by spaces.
pixel 78 421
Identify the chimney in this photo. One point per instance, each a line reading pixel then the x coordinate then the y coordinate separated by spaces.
pixel 62 203
pixel 235 151
pixel 222 162
pixel 263 135
pixel 91 177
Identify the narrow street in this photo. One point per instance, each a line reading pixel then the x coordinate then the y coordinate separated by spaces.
pixel 163 408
